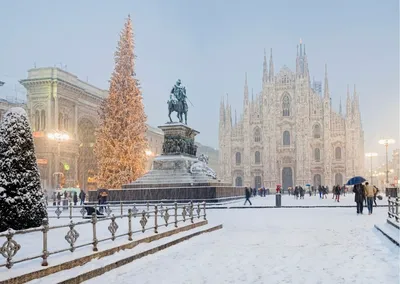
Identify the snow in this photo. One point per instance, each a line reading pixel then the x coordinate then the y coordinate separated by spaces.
pixel 31 244
pixel 274 246
pixel 287 200
pixel 17 110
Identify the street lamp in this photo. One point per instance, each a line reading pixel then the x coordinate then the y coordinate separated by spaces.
pixel 370 155
pixel 387 142
pixel 59 137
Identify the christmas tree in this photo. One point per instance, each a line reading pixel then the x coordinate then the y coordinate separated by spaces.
pixel 120 139
pixel 21 197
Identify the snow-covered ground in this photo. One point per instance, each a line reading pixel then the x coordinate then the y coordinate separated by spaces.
pixel 289 200
pixel 283 245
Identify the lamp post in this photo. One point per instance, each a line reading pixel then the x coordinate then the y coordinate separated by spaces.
pixel 387 142
pixel 59 137
pixel 370 155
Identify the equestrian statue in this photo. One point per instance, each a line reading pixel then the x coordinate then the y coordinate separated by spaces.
pixel 177 102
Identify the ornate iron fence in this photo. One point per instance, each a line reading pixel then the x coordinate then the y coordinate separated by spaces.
pixel 167 214
pixel 393 208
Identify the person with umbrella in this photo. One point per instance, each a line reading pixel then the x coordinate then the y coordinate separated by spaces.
pixel 359 192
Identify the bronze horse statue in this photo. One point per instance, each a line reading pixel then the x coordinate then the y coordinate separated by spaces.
pixel 180 108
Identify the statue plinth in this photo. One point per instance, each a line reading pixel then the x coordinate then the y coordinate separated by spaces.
pixel 179 139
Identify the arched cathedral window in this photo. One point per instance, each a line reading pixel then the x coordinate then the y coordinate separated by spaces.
pixel 43 120
pixel 257 157
pixel 257 135
pixel 286 138
pixel 65 123
pixel 60 121
pixel 286 105
pixel 238 158
pixel 338 153
pixel 317 154
pixel 37 120
pixel 238 181
pixel 317 131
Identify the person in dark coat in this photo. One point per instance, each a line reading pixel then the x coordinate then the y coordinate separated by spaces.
pixel 58 198
pixel 376 193
pixel 247 194
pixel 82 196
pixel 359 197
pixel 75 198
pixel 337 190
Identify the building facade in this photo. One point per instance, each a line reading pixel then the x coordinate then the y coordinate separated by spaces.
pixel 289 134
pixel 59 101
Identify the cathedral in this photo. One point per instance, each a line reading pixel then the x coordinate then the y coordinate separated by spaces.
pixel 289 134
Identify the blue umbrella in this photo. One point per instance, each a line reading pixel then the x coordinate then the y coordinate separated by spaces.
pixel 356 180
pixel 308 184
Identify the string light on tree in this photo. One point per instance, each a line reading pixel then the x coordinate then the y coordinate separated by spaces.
pixel 120 139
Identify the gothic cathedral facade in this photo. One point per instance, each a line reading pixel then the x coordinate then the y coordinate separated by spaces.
pixel 289 134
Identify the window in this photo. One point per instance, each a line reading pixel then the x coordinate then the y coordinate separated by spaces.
pixel 286 105
pixel 60 121
pixel 238 181
pixel 286 138
pixel 338 153
pixel 37 120
pixel 257 157
pixel 257 182
pixel 43 120
pixel 238 158
pixel 317 154
pixel 66 123
pixel 317 131
pixel 257 135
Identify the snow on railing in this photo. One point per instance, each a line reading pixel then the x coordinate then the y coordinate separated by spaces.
pixel 393 208
pixel 180 213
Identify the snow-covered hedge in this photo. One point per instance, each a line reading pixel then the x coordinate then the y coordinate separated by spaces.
pixel 21 197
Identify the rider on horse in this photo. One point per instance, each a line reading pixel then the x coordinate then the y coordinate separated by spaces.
pixel 178 100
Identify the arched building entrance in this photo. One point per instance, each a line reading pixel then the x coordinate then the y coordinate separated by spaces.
pixel 317 180
pixel 87 161
pixel 287 178
pixel 339 179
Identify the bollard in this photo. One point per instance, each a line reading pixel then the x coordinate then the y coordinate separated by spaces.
pixel 95 241
pixel 70 210
pixel 278 200
pixel 176 214
pixel 204 208
pixel 122 209
pixel 129 224
pixel 45 224
pixel 155 219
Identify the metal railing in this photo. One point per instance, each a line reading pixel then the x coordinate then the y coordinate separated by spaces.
pixel 179 213
pixel 393 208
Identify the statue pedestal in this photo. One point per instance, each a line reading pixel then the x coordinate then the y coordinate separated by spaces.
pixel 179 139
pixel 177 174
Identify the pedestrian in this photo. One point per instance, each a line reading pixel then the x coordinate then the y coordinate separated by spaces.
pixel 82 196
pixel 370 192
pixel 247 195
pixel 359 197
pixel 376 193
pixel 337 191
pixel 58 198
pixel 75 198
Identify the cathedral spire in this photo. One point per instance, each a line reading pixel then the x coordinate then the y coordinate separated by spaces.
pixel 222 111
pixel 271 68
pixel 348 102
pixel 326 86
pixel 235 118
pixel 252 95
pixel 246 89
pixel 265 68
pixel 340 106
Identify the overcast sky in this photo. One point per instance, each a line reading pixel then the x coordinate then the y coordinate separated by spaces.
pixel 210 45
